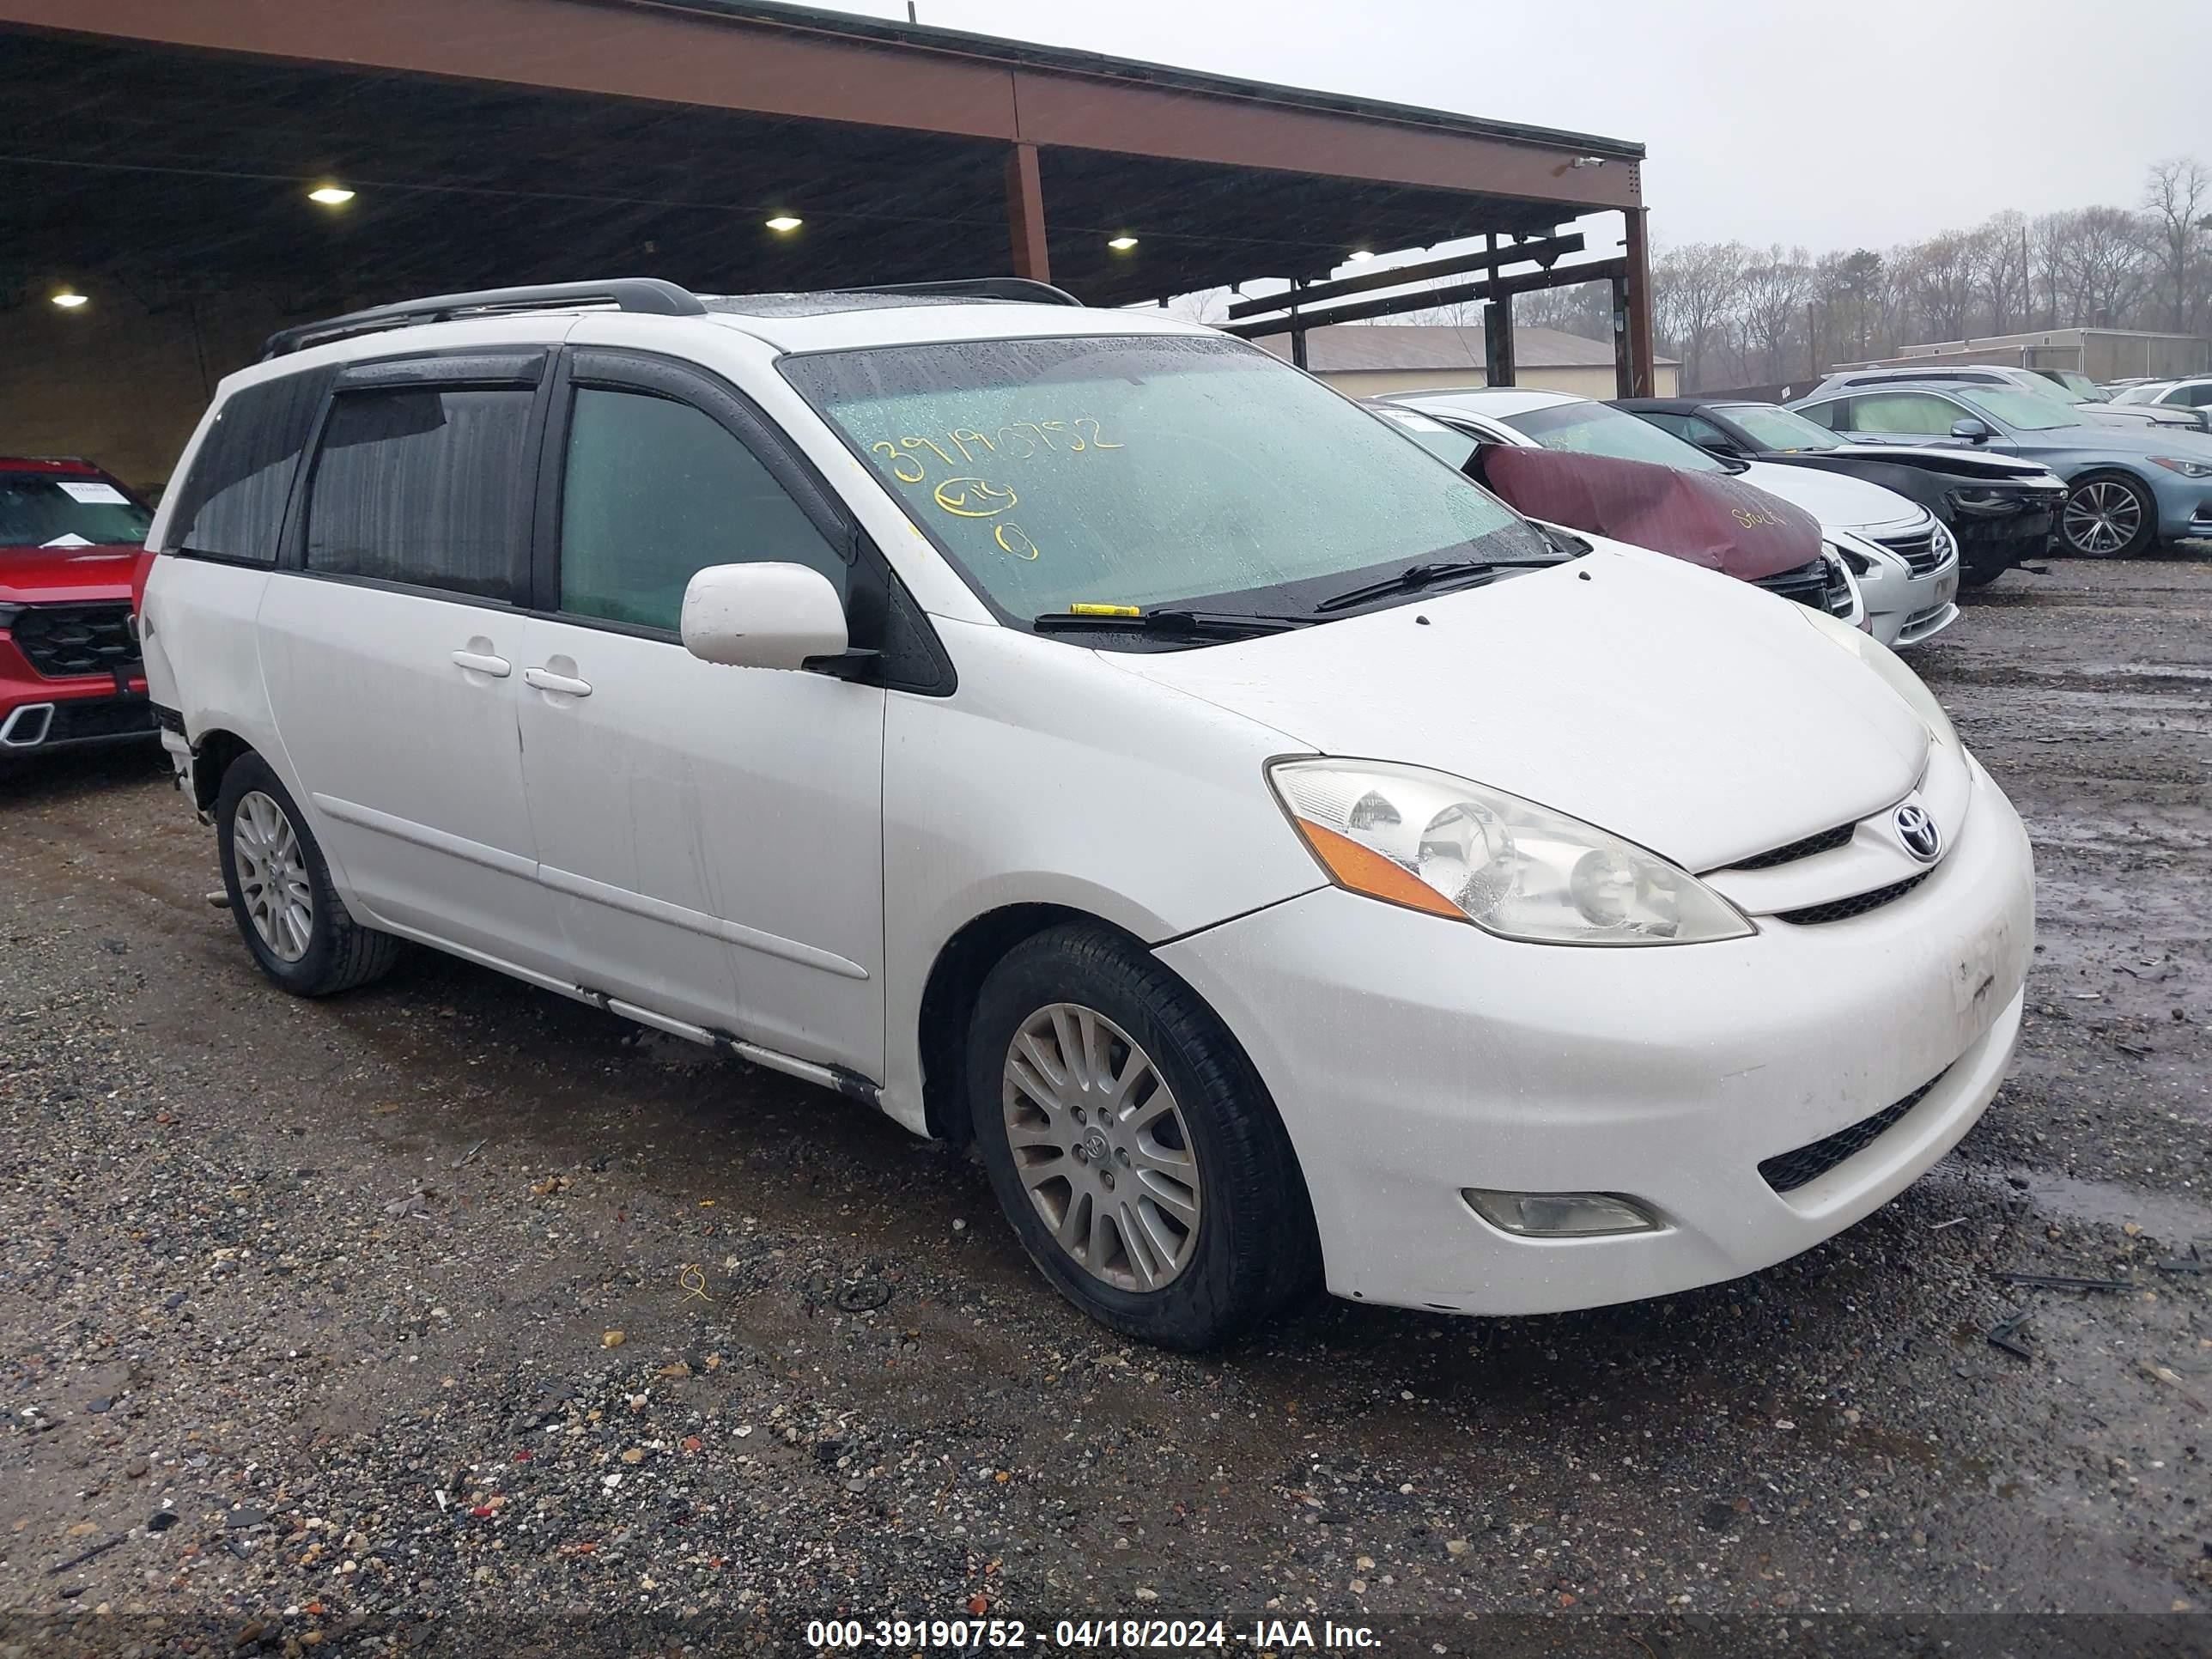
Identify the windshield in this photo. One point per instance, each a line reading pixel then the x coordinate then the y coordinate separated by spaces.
pixel 1147 471
pixel 2019 409
pixel 1447 444
pixel 1781 428
pixel 49 509
pixel 2084 389
pixel 1588 428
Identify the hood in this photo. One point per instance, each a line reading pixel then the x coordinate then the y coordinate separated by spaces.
pixel 1967 463
pixel 1707 519
pixel 1838 500
pixel 66 575
pixel 2139 415
pixel 1692 714
pixel 2120 440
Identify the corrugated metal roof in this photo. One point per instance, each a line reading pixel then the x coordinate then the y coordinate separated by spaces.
pixel 1340 347
pixel 935 38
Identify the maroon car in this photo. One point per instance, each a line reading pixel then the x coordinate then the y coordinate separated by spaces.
pixel 70 541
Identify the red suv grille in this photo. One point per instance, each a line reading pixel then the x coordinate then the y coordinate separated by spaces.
pixel 62 640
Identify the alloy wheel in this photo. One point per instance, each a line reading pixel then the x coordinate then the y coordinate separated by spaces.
pixel 272 876
pixel 2101 517
pixel 1101 1148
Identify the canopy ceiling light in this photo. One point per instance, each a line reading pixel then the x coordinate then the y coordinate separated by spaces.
pixel 1121 244
pixel 784 223
pixel 330 195
pixel 69 299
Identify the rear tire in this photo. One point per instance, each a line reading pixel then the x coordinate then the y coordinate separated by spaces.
pixel 1131 1144
pixel 2108 515
pixel 287 911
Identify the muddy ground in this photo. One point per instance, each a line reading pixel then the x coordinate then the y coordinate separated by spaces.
pixel 309 1312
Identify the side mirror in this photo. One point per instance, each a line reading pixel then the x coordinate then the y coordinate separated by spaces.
pixel 1973 431
pixel 762 615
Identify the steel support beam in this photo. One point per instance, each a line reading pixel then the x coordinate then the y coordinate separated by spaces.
pixel 1529 282
pixel 1638 253
pixel 1497 367
pixel 1025 213
pixel 1543 251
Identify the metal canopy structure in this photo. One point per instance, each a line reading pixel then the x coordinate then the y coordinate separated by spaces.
pixel 492 142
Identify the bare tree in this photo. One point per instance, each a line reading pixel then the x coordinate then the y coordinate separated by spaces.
pixel 2179 194
pixel 1698 288
pixel 1999 254
pixel 2101 263
pixel 1775 285
pixel 1935 284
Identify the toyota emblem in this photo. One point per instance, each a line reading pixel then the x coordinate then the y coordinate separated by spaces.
pixel 1917 829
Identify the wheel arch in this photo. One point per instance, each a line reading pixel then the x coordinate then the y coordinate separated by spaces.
pixel 216 752
pixel 948 1001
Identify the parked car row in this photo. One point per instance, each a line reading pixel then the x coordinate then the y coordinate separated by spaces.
pixel 2000 510
pixel 1904 560
pixel 1079 734
pixel 2128 488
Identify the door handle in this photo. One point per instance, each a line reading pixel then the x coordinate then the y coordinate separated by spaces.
pixel 479 662
pixel 545 679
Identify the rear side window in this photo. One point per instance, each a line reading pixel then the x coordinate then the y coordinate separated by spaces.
pixel 231 505
pixel 424 485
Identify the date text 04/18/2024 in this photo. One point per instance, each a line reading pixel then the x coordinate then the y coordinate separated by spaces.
pixel 1086 1635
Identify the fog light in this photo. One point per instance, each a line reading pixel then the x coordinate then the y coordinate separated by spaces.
pixel 1559 1215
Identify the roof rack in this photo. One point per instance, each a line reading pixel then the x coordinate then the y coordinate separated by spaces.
pixel 980 288
pixel 647 295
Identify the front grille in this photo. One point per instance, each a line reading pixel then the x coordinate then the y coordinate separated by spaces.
pixel 1826 841
pixel 1807 584
pixel 62 640
pixel 1787 1171
pixel 1840 600
pixel 1925 551
pixel 1857 905
pixel 105 717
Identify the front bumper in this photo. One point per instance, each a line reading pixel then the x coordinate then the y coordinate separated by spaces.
pixel 2184 506
pixel 1411 1057
pixel 39 714
pixel 1903 609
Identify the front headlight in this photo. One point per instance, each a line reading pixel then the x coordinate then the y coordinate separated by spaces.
pixel 1434 842
pixel 2187 469
pixel 1887 664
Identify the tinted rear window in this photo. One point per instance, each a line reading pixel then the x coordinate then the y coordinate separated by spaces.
pixel 231 503
pixel 424 485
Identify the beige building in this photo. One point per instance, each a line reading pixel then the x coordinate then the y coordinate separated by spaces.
pixel 1366 360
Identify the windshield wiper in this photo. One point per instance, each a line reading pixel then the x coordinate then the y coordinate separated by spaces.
pixel 1170 623
pixel 1412 580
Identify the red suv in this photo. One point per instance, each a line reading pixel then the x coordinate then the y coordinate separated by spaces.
pixel 70 541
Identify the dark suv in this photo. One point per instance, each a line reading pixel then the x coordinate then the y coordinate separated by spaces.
pixel 70 540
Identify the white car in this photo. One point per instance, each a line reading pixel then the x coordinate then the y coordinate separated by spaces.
pixel 1082 733
pixel 1904 558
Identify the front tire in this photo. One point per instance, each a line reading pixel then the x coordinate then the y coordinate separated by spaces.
pixel 2108 515
pixel 1131 1144
pixel 287 911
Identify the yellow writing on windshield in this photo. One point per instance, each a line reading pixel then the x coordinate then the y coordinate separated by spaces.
pixel 907 457
pixel 900 463
pixel 974 498
pixel 1012 539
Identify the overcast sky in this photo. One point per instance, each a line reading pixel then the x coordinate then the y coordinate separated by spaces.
pixel 1832 123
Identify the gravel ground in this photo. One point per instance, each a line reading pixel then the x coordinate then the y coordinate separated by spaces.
pixel 453 1306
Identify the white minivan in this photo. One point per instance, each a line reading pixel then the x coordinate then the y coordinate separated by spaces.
pixel 1081 733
